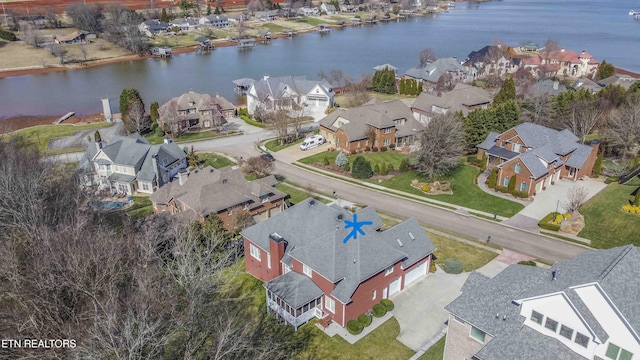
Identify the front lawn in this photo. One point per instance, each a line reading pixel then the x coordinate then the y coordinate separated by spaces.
pixel 41 135
pixel 465 192
pixel 214 160
pixel 435 352
pixel 390 157
pixel 379 344
pixel 606 225
pixel 154 139
pixel 274 145
pixel 295 194
pixel 472 257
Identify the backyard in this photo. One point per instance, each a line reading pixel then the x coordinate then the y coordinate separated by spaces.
pixel 214 160
pixel 606 225
pixel 41 135
pixel 465 192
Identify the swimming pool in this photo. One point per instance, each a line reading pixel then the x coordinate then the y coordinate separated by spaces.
pixel 108 205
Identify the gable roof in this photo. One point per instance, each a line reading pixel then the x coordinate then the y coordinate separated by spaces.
pixel 209 190
pixel 275 87
pixel 461 98
pixel 380 115
pixel 294 288
pixel 613 270
pixel 315 235
pixel 434 70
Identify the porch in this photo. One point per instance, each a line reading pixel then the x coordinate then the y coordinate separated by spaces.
pixel 294 298
pixel 122 184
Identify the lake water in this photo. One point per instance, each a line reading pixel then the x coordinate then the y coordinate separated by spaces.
pixel 601 27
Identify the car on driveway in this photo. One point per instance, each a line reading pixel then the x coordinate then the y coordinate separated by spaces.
pixel 268 157
pixel 311 142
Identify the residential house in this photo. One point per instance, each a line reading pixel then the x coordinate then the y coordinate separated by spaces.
pixel 543 88
pixel 328 9
pixel 618 79
pixel 463 98
pixel 129 165
pixel 491 59
pixel 308 11
pixel 75 37
pixel 561 63
pixel 385 67
pixel 583 308
pixel 449 69
pixel 586 83
pixel 153 27
pixel 282 93
pixel 195 111
pixel 185 24
pixel 216 21
pixel 374 124
pixel 537 156
pixel 312 268
pixel 267 15
pixel 348 9
pixel 224 192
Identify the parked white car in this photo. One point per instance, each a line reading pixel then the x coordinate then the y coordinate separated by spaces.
pixel 311 142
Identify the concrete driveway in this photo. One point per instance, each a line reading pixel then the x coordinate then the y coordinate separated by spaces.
pixel 547 200
pixel 420 308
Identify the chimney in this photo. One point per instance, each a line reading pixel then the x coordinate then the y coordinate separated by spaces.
pixel 183 175
pixel 277 247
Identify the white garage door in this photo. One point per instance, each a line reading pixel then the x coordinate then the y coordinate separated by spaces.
pixel 394 287
pixel 415 274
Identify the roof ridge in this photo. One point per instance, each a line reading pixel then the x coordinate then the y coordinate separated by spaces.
pixel 615 262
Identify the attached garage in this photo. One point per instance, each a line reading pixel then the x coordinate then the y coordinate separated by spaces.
pixel 394 287
pixel 415 274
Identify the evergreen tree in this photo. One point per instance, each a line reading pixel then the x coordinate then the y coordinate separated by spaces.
pixel 153 112
pixel 361 168
pixel 341 159
pixel 376 169
pixel 493 179
pixel 163 15
pixel 402 89
pixel 217 11
pixel 507 92
pixel 597 167
pixel 97 137
pixel 419 87
pixel 605 70
pixel 636 200
pixel 512 184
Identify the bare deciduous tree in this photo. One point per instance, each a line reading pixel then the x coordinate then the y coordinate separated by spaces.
pixel 624 125
pixel 254 5
pixel 136 120
pixel 279 122
pixel 358 93
pixel 58 51
pixel 576 197
pixel 583 117
pixel 30 35
pixel 441 145
pixel 258 166
pixel 426 56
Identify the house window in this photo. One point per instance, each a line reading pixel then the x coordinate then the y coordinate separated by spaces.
pixel 505 181
pixel 551 324
pixel 255 252
pixel 386 142
pixel 616 353
pixel 330 304
pixel 164 161
pixel 389 270
pixel 387 130
pixel 536 317
pixel 307 270
pixel 145 186
pixel 373 295
pixel 566 331
pixel 523 187
pixel 515 147
pixel 517 168
pixel 477 334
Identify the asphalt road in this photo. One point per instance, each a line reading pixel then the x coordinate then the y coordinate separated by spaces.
pixel 521 241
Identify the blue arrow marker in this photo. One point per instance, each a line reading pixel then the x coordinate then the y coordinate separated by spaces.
pixel 357 228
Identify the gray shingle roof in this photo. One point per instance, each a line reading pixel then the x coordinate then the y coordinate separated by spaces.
pixel 434 70
pixel 579 156
pixel 315 235
pixel 535 136
pixel 614 270
pixel 501 152
pixel 461 98
pixel 294 288
pixel 532 162
pixel 274 87
pixel 377 114
pixel 489 142
pixel 209 191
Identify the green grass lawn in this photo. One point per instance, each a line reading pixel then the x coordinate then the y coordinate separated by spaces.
pixel 214 160
pixel 390 157
pixel 606 225
pixel 465 192
pixel 436 352
pixel 343 99
pixel 379 344
pixel 41 135
pixel 472 257
pixel 141 208
pixel 311 21
pixel 154 139
pixel 317 158
pixel 274 145
pixel 296 195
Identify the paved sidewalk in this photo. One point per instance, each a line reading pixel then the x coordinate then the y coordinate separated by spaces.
pixel 335 329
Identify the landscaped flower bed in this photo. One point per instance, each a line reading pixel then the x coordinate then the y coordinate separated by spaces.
pixel 434 188
pixel 631 209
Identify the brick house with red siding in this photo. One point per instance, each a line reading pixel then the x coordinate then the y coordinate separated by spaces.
pixel 310 271
pixel 223 191
pixel 537 156
pixel 392 122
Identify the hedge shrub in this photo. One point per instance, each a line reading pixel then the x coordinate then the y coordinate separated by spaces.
pixel 383 149
pixel 546 222
pixel 502 189
pixel 512 184
pixel 376 169
pixel 388 304
pixel 404 165
pixel 354 327
pixel 8 35
pixel 365 320
pixel 610 180
pixel 453 266
pixel 341 159
pixel 379 310
pixel 597 167
pixel 527 262
pixel 520 194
